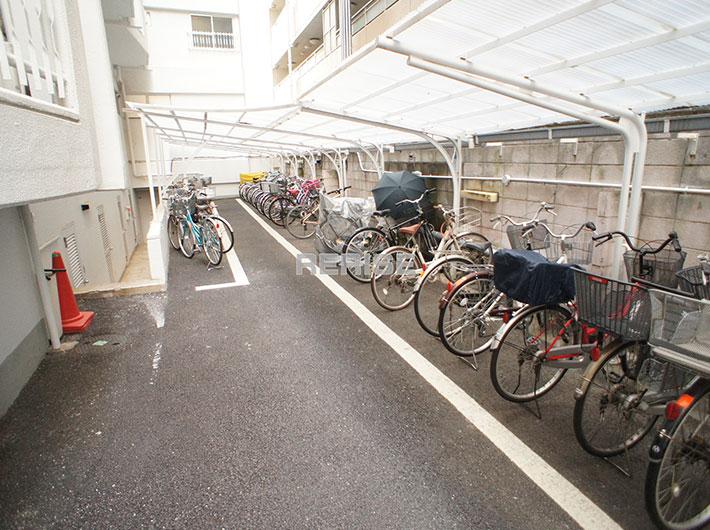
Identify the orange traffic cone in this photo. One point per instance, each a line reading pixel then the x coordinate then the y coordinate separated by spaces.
pixel 73 320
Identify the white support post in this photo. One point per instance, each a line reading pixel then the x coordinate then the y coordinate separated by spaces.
pixel 42 283
pixel 149 170
pixel 457 176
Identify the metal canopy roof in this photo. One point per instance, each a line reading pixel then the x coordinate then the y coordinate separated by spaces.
pixel 628 54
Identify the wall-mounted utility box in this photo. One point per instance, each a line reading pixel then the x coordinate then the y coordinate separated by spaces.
pixel 483 196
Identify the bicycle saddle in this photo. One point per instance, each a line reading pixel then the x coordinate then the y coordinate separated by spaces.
pixel 410 230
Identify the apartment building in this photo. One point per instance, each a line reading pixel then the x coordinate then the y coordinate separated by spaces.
pixel 310 38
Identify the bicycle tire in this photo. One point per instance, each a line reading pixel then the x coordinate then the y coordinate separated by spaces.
pixel 616 363
pixel 297 218
pixel 331 245
pixel 404 273
pixel 537 319
pixel 477 295
pixel 377 240
pixel 187 239
pixel 225 229
pixel 475 256
pixel 423 304
pixel 700 408
pixel 173 228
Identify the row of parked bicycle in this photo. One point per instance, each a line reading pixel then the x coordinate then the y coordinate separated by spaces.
pixel 642 346
pixel 194 224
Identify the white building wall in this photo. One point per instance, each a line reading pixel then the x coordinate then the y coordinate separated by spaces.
pixel 224 171
pixel 23 336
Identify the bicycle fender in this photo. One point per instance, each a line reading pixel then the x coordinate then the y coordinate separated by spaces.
pixel 585 379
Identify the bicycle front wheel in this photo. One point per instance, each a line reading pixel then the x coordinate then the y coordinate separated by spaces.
pixel 300 222
pixel 394 274
pixel 433 285
pixel 678 485
pixel 610 416
pixel 519 369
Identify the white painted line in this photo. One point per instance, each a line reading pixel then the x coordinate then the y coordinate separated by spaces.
pixel 240 277
pixel 580 507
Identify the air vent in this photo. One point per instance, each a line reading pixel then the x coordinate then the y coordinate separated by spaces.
pixel 76 268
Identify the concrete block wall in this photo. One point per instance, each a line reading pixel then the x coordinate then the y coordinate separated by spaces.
pixel 598 159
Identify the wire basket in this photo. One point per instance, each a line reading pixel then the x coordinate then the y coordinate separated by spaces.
pixel 180 206
pixel 680 330
pixel 578 249
pixel 660 376
pixel 468 218
pixel 695 280
pixel 523 237
pixel 617 307
pixel 658 268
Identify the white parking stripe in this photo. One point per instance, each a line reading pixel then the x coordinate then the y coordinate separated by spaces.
pixel 240 277
pixel 581 508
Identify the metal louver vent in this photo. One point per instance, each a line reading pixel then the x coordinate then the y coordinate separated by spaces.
pixel 106 240
pixel 76 269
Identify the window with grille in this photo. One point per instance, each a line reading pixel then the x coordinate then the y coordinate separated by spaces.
pixel 212 32
pixel 33 57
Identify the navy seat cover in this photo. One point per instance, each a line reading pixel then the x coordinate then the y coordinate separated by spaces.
pixel 527 276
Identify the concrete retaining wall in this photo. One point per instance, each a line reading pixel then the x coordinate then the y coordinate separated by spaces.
pixel 597 159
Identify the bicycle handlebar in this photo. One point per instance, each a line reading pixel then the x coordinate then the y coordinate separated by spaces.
pixel 589 225
pixel 672 238
pixel 416 201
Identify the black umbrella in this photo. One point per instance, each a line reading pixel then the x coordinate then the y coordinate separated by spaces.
pixel 395 186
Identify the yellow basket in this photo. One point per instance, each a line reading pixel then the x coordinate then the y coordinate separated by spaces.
pixel 251 177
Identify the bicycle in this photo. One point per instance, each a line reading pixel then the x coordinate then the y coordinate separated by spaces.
pixel 677 485
pixel 301 221
pixel 397 269
pixel 620 395
pixel 472 310
pixel 193 236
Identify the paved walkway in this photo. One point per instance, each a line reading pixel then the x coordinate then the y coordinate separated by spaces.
pixel 272 405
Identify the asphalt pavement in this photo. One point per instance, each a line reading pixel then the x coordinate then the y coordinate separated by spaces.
pixel 271 405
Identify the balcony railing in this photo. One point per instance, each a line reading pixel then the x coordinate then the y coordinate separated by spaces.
pixel 214 40
pixel 370 12
pixel 33 60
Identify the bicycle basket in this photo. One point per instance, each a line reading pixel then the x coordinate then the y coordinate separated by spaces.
pixel 180 206
pixel 659 268
pixel 680 330
pixel 532 240
pixel 578 249
pixel 693 280
pixel 467 218
pixel 661 376
pixel 617 307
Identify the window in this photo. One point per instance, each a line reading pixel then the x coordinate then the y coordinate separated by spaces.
pixel 33 59
pixel 330 27
pixel 212 32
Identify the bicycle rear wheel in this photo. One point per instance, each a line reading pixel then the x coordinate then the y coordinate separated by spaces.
pixel 469 317
pixel 608 416
pixel 361 250
pixel 678 483
pixel 519 369
pixel 301 223
pixel 187 239
pixel 394 274
pixel 435 282
pixel 174 232
pixel 225 232
pixel 211 242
